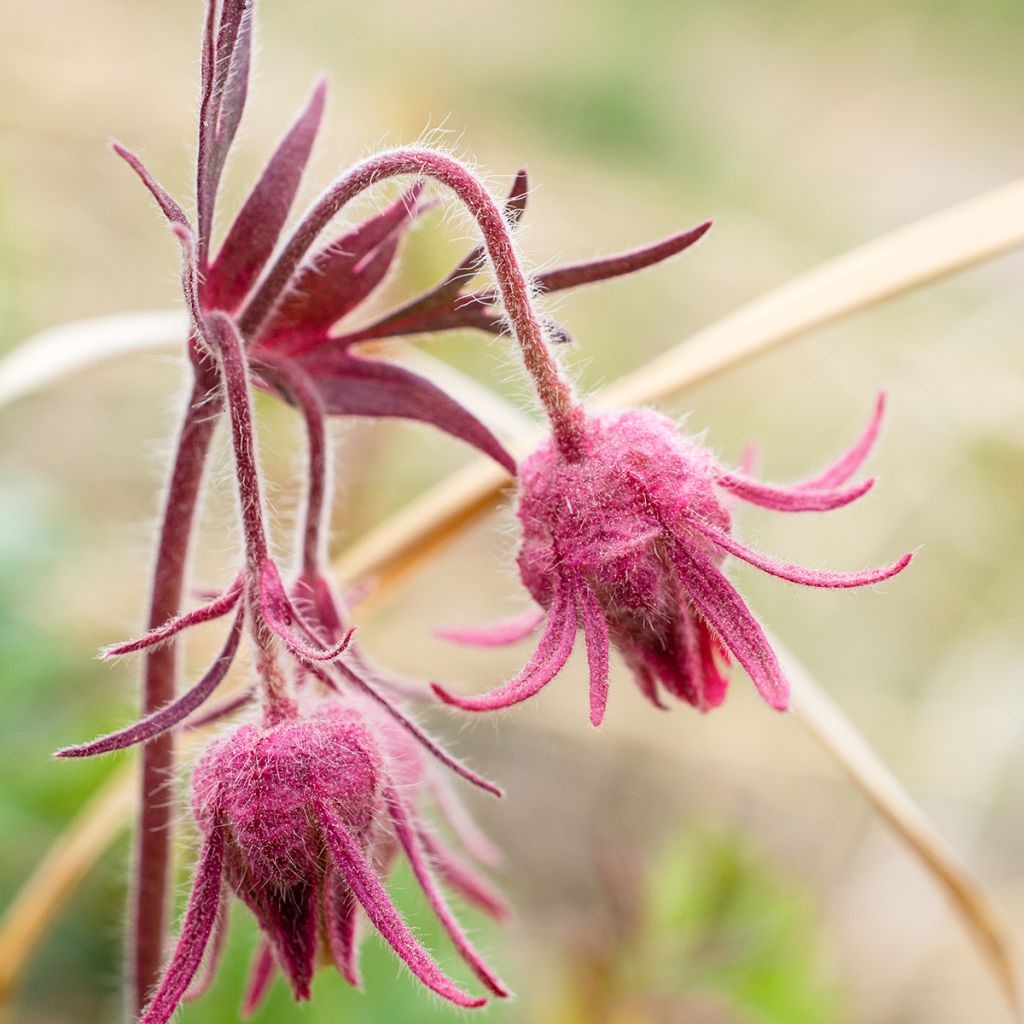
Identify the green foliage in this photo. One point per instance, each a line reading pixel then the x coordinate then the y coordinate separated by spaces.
pixel 723 920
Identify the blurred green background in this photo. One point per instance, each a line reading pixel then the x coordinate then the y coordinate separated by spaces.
pixel 673 868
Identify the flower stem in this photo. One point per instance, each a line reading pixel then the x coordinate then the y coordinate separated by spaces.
pixel 300 387
pixel 224 336
pixel 148 906
pixel 554 391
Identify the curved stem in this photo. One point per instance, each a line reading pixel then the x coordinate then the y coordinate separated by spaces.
pixel 223 336
pixel 148 904
pixel 565 414
pixel 303 392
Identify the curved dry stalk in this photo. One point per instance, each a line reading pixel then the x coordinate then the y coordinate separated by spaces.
pixel 824 720
pixel 58 875
pixel 926 251
pixel 58 352
pixel 940 245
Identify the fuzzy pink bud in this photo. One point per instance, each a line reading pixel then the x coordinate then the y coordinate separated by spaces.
pixel 628 540
pixel 300 819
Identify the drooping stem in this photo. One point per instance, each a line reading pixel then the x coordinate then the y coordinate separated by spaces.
pixel 223 336
pixel 301 389
pixel 554 391
pixel 148 905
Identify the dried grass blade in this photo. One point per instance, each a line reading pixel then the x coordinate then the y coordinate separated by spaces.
pixel 823 719
pixel 54 354
pixel 58 875
pixel 928 250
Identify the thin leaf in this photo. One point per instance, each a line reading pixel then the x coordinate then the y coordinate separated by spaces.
pixel 353 386
pixel 254 233
pixel 339 277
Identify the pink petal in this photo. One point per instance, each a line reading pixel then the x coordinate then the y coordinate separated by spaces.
pixel 791 499
pixel 647 685
pixel 219 606
pixel 260 976
pixel 253 235
pixel 500 634
pixel 340 919
pixel 291 919
pixel 552 653
pixel 407 837
pixel 595 632
pixel 199 921
pixel 685 678
pixel 724 610
pixel 843 468
pixel 368 890
pixel 797 573
pixel 714 682
pixel 170 714
pixel 461 877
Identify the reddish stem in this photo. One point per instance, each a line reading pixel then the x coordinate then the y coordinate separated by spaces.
pixel 228 344
pixel 149 900
pixel 565 414
pixel 303 392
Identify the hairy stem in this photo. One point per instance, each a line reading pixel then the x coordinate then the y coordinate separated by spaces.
pixel 229 347
pixel 303 392
pixel 555 393
pixel 148 907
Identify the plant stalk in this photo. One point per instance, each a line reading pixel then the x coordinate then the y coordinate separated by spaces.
pixel 148 906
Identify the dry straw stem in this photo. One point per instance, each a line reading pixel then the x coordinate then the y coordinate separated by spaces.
pixel 58 875
pixel 940 245
pixel 820 716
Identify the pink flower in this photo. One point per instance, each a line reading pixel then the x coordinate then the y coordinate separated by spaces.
pixel 302 820
pixel 627 538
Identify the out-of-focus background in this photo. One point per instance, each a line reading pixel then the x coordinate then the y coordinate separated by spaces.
pixel 673 867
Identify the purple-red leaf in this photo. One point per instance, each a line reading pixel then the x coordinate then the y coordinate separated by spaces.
pixel 220 604
pixel 171 714
pixel 225 87
pixel 620 264
pixel 442 301
pixel 254 234
pixel 170 207
pixel 341 276
pixel 353 386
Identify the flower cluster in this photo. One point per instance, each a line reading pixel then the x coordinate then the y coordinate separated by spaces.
pixel 304 806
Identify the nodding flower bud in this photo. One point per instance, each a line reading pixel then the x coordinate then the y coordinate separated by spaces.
pixel 627 542
pixel 301 819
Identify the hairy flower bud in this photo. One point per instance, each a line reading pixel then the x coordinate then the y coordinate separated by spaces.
pixel 627 541
pixel 301 820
